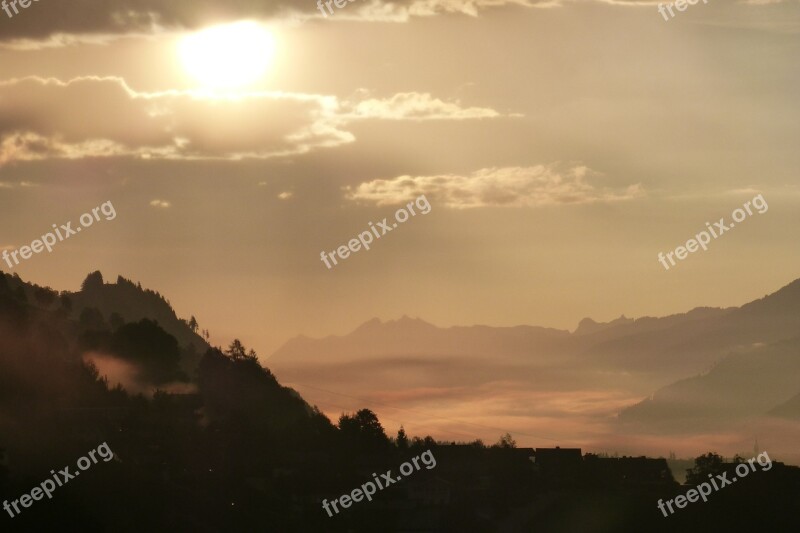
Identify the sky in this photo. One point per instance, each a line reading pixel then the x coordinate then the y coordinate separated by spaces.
pixel 561 146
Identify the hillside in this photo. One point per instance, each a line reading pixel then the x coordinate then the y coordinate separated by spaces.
pixel 68 349
pixel 133 303
pixel 752 383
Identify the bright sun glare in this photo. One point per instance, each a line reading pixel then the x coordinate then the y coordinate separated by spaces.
pixel 229 56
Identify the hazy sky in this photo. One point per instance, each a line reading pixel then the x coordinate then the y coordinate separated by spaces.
pixel 561 144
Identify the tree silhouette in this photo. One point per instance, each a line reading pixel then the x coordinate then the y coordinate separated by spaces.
pixel 402 439
pixel 116 321
pixel 238 352
pixel 506 441
pixel 20 295
pixel 710 463
pixel 155 350
pixel 363 430
pixel 45 296
pixel 91 318
pixel 92 282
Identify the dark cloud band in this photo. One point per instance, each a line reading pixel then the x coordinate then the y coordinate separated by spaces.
pixel 50 17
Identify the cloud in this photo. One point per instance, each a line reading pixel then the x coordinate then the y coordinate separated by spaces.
pixel 416 106
pixel 55 21
pixel 403 11
pixel 47 20
pixel 23 184
pixel 61 40
pixel 49 118
pixel 160 203
pixel 61 23
pixel 535 186
pixel 746 191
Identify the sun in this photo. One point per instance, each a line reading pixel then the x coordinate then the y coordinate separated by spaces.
pixel 229 56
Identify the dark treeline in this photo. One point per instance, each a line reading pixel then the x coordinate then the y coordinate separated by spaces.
pixel 211 441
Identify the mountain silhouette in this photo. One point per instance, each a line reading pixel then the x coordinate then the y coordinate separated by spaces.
pixel 752 383
pixel 789 409
pixel 413 337
pixel 587 325
pixel 661 349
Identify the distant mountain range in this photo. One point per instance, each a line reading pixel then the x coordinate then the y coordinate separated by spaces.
pixel 415 337
pixel 672 346
pixel 706 364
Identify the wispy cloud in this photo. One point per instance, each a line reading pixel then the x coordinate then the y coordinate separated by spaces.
pixel 535 186
pixel 415 106
pixel 23 184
